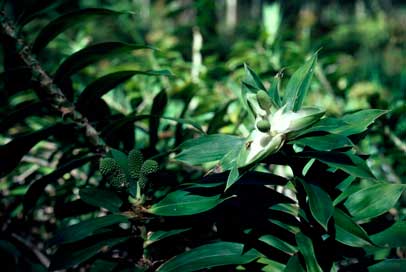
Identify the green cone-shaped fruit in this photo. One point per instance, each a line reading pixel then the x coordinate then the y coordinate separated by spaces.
pixel 263 125
pixel 264 101
pixel 135 160
pixel 118 180
pixel 142 181
pixel 108 166
pixel 149 167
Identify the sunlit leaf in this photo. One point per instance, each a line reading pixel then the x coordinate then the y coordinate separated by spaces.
pixel 348 232
pixel 325 142
pixel 208 256
pixel 373 200
pixel 180 203
pixel 305 246
pixel 298 85
pixel 208 148
pixel 394 236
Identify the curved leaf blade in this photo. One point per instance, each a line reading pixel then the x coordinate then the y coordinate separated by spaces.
pixel 388 265
pixel 298 85
pixel 92 54
pixel 158 107
pixel 101 198
pixel 103 85
pixel 325 142
pixel 208 256
pixel 321 205
pixel 374 200
pixel 159 235
pixel 305 246
pixel 394 236
pixel 65 21
pixel 348 232
pixel 86 228
pixel 208 148
pixel 181 203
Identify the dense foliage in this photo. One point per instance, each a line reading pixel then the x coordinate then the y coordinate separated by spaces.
pixel 158 136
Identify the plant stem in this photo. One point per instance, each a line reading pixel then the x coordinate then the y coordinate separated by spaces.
pixel 49 90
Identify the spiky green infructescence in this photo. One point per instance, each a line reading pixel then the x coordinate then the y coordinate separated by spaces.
pixel 111 169
pixel 148 167
pixel 135 160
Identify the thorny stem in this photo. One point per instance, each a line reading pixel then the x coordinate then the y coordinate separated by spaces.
pixel 51 91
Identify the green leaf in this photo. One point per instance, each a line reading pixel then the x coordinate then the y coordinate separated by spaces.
pixel 12 152
pixel 103 85
pixel 121 158
pixel 389 265
pixel 298 85
pixel 86 228
pixel 37 187
pixel 65 21
pixel 325 142
pixel 348 232
pixel 271 265
pixel 159 235
pixel 233 176
pixel 274 92
pixel 278 243
pixel 208 256
pixel 360 120
pixel 66 256
pixel 305 246
pixel 101 198
pixel 252 79
pixel 374 200
pixel 92 54
pixel 328 124
pixel 208 148
pixel 394 236
pixel 345 161
pixel 294 265
pixel 180 203
pixel 157 109
pixel 349 124
pixel 321 205
pixel 183 121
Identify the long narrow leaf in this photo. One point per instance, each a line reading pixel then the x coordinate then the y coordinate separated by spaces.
pixel 65 21
pixel 92 54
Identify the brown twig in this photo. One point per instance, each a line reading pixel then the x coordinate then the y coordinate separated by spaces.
pixel 52 92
